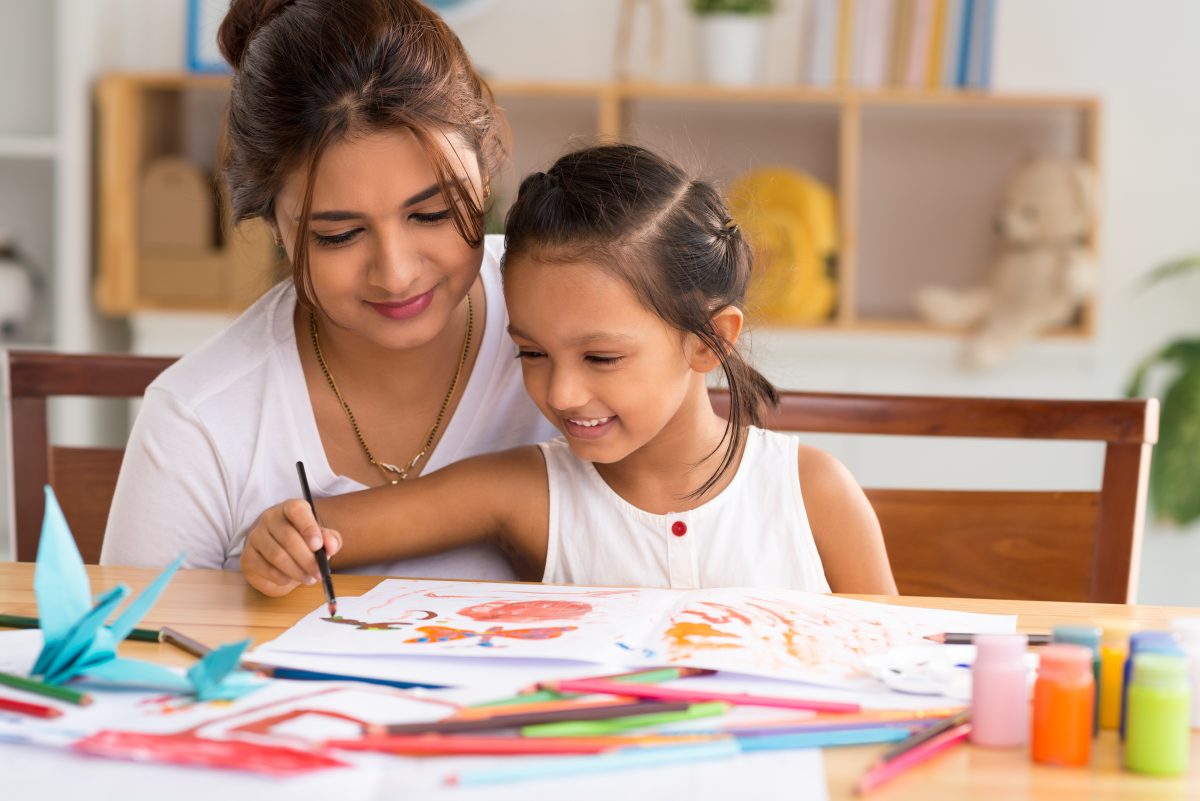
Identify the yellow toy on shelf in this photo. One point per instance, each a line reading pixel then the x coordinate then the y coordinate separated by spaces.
pixel 790 220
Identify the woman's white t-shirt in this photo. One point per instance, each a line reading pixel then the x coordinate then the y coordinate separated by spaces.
pixel 218 435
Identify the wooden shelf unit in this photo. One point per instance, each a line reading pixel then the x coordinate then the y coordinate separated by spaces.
pixel 898 162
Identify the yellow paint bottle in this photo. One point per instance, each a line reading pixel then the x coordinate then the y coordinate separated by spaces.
pixel 1114 648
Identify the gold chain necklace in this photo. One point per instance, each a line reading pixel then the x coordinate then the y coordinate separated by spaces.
pixel 391 471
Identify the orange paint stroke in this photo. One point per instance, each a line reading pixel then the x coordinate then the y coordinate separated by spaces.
pixel 688 637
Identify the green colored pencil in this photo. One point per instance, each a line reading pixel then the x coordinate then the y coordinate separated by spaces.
pixel 23 622
pixel 48 690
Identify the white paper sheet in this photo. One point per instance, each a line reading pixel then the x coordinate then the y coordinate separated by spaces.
pixel 773 633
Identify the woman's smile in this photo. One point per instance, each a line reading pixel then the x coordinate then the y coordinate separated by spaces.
pixel 405 309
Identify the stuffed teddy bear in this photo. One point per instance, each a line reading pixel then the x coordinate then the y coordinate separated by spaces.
pixel 1042 273
pixel 18 293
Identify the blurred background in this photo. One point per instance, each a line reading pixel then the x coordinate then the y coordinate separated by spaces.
pixel 868 148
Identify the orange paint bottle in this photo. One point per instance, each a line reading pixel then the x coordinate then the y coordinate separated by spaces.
pixel 1064 700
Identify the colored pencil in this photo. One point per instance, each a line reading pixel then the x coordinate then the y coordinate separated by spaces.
pixel 525 698
pixel 23 622
pixel 48 690
pixel 888 770
pixel 829 725
pixel 300 674
pixel 925 735
pixel 871 717
pixel 600 728
pixel 492 745
pixel 24 708
pixel 822 739
pixel 577 702
pixel 602 763
pixel 183 642
pixel 968 638
pixel 322 557
pixel 521 719
pixel 677 694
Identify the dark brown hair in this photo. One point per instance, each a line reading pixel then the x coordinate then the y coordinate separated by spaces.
pixel 668 236
pixel 308 73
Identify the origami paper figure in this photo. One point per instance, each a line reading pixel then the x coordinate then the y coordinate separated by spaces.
pixel 77 643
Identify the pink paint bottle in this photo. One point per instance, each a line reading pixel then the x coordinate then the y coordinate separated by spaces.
pixel 1000 691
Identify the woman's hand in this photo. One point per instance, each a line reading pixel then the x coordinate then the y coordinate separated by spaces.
pixel 278 554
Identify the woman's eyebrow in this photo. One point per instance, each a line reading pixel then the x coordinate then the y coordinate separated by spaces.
pixel 342 216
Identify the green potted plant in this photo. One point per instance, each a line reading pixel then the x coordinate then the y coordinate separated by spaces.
pixel 1175 469
pixel 732 33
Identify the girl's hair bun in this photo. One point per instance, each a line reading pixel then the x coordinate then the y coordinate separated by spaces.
pixel 241 22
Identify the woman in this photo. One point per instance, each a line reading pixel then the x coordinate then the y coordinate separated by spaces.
pixel 361 134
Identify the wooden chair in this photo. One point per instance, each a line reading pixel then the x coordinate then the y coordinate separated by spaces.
pixel 1049 546
pixel 83 478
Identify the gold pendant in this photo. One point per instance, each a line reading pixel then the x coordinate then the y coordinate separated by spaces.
pixel 391 468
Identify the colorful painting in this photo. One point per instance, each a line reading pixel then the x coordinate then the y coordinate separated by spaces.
pixel 774 633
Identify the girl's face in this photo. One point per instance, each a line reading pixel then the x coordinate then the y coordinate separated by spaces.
pixel 609 373
pixel 385 258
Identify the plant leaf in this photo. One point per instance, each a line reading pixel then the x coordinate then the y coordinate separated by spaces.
pixel 1171 268
pixel 1175 472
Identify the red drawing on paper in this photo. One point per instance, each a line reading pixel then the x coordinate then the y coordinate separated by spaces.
pixel 526 611
pixel 447 634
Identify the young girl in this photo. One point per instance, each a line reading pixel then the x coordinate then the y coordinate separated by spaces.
pixel 623 279
pixel 360 133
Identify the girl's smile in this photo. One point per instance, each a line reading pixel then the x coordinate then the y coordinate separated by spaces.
pixel 589 428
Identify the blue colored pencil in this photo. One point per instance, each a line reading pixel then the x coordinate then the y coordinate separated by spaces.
pixel 317 675
pixel 618 760
pixel 824 739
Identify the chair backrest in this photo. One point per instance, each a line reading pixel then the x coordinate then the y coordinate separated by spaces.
pixel 1050 546
pixel 83 478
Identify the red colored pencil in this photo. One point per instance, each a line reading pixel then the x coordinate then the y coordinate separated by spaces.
pixel 25 708
pixel 885 771
pixel 673 694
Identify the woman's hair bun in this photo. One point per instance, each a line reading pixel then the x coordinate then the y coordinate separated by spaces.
pixel 241 22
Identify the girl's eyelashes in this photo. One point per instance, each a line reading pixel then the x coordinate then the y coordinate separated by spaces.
pixel 607 361
pixel 333 240
pixel 528 355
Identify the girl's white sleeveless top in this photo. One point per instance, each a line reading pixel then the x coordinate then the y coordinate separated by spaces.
pixel 754 534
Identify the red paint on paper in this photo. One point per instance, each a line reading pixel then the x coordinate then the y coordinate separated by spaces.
pixel 526 611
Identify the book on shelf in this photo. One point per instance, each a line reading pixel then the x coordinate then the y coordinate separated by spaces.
pixel 910 44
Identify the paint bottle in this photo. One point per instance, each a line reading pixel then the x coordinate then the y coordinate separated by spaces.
pixel 1158 642
pixel 1000 691
pixel 1064 698
pixel 1187 631
pixel 1158 728
pixel 1114 648
pixel 1088 637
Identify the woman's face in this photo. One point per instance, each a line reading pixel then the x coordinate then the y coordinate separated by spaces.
pixel 385 258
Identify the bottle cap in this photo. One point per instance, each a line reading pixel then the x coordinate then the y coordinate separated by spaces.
pixel 1157 641
pixel 1065 662
pixel 1117 632
pixel 1187 630
pixel 1160 670
pixel 1000 648
pixel 1078 635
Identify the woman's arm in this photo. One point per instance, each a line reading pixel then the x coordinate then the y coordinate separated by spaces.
pixel 844 526
pixel 504 496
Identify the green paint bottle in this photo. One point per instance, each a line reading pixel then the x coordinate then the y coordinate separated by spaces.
pixel 1158 723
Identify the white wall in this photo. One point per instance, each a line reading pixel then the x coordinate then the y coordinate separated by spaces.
pixel 1141 60
pixel 1139 57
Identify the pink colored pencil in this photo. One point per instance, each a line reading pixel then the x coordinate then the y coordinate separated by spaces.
pixel 473 745
pixel 886 771
pixel 661 693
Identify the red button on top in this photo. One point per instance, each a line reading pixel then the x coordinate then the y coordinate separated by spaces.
pixel 679 528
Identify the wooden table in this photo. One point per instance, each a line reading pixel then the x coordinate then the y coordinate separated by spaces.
pixel 219 607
